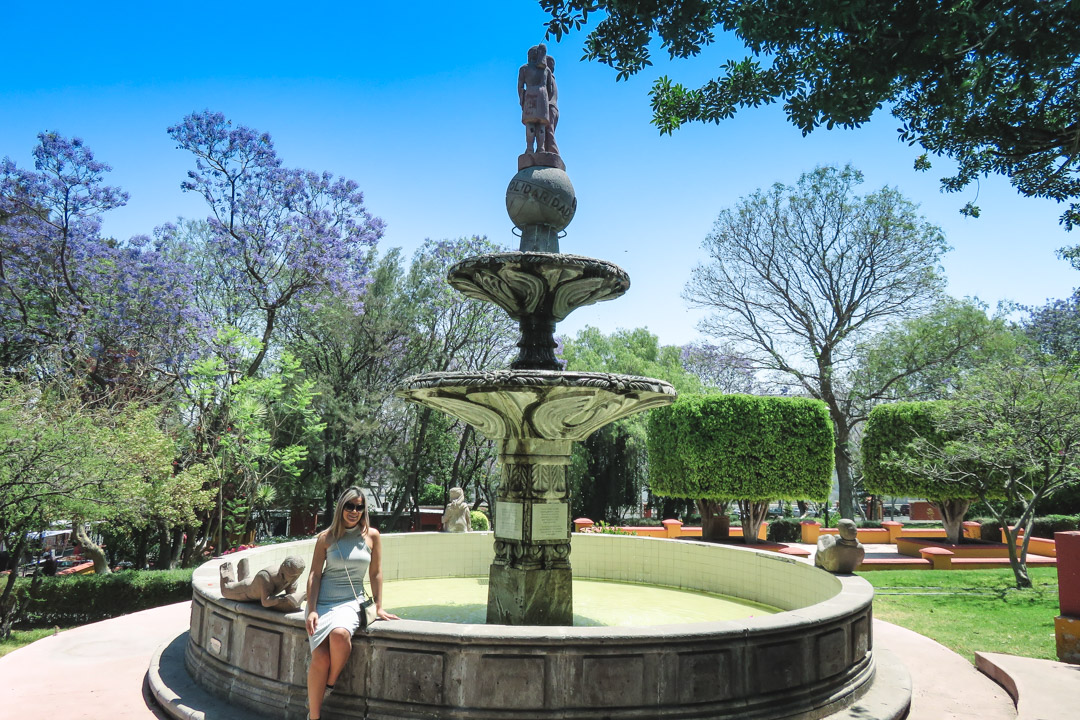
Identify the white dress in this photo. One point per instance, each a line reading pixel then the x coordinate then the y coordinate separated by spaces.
pixel 337 605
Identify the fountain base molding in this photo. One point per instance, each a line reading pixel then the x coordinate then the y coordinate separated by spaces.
pixel 814 660
pixel 542 596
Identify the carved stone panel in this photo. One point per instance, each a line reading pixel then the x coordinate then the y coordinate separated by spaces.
pixel 613 681
pixel 776 666
pixel 218 630
pixel 506 681
pixel 832 652
pixel 197 609
pixel 261 653
pixel 412 676
pixel 707 677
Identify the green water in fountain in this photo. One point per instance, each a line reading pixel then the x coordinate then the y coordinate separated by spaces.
pixel 596 603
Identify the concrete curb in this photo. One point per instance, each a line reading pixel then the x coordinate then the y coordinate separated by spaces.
pixel 177 694
pixel 889 696
pixel 1041 689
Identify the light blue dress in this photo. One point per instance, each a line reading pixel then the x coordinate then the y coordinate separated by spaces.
pixel 337 605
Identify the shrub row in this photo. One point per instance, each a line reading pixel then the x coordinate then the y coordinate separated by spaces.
pixel 1041 527
pixel 79 599
pixel 784 530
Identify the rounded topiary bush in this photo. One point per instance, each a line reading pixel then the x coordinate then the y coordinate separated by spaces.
pixel 479 521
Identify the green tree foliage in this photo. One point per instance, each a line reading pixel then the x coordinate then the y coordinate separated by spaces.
pixel 978 82
pixel 799 276
pixel 609 470
pixel 925 357
pixel 64 462
pixel 1013 430
pixel 412 322
pixel 888 434
pixel 749 449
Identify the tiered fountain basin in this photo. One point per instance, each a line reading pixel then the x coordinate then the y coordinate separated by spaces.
pixel 809 659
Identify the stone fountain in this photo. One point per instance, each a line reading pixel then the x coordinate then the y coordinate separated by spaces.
pixel 812 659
pixel 535 410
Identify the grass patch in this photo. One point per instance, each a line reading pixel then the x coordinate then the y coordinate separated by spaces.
pixel 969 610
pixel 22 638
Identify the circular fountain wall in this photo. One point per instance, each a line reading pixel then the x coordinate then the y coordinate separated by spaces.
pixel 808 661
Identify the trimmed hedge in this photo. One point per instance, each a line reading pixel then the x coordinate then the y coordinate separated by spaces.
pixel 741 447
pixel 784 530
pixel 1046 526
pixel 79 599
pixel 1041 527
pixel 989 529
pixel 890 429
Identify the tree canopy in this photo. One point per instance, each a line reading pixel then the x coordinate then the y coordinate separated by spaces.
pixel 611 467
pixel 798 276
pixel 993 86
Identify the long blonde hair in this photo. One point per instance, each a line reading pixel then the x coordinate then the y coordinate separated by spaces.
pixel 337 525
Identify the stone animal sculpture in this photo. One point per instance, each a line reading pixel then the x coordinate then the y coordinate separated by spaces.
pixel 842 553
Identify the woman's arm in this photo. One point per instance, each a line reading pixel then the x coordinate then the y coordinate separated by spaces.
pixel 375 575
pixel 318 559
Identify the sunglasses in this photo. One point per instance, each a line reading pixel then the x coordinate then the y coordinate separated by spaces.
pixel 354 507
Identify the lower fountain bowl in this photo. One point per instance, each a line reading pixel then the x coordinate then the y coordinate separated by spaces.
pixel 809 661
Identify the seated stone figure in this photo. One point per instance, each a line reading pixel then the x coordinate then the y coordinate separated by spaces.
pixel 457 517
pixel 275 588
pixel 840 554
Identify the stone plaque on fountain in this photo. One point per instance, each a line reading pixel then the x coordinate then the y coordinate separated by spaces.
pixel 508 518
pixel 536 410
pixel 550 521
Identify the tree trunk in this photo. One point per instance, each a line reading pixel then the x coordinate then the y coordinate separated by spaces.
pixel 715 523
pixel 952 516
pixel 842 458
pixel 753 514
pixel 8 602
pixel 101 565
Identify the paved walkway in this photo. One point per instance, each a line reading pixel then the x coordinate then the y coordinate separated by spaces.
pixel 98 671
pixel 92 672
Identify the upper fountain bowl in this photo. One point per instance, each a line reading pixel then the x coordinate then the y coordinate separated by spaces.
pixel 531 283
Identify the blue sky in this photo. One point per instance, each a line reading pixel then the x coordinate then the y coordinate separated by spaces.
pixel 419 107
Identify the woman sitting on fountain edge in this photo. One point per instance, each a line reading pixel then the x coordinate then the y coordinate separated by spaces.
pixel 335 591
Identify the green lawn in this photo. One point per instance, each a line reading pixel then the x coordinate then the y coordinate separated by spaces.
pixel 969 610
pixel 20 638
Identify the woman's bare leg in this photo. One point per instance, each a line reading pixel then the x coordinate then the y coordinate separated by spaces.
pixel 340 642
pixel 317 678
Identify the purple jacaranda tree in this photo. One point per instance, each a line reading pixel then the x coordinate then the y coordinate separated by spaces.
pixel 75 304
pixel 719 367
pixel 278 235
pixel 1055 327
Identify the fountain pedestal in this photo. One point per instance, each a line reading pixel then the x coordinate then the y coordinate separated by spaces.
pixel 535 416
pixel 530 579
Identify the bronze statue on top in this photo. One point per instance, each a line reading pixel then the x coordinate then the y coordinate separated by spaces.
pixel 538 96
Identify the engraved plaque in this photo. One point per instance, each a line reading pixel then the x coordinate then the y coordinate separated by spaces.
pixel 550 521
pixel 508 520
